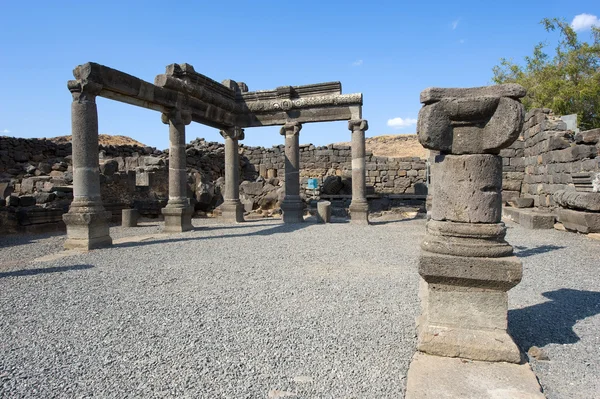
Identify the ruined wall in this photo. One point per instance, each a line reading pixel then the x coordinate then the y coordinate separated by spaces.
pixel 547 158
pixel 385 175
pixel 36 178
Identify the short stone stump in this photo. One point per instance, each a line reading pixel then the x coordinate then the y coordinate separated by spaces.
pixel 129 217
pixel 323 212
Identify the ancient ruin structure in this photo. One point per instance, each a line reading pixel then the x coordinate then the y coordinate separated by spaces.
pixel 466 265
pixel 182 95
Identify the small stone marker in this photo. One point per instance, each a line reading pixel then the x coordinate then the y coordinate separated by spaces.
pixel 323 212
pixel 129 217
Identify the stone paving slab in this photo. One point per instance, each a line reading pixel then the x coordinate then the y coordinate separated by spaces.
pixel 434 377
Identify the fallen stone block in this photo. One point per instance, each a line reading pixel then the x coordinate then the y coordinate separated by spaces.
pixel 583 222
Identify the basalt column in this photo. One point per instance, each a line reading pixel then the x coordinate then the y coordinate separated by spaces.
pixel 292 205
pixel 466 265
pixel 232 208
pixel 359 208
pixel 178 212
pixel 87 220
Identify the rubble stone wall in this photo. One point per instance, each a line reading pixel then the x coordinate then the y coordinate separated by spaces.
pixel 546 157
pixel 385 175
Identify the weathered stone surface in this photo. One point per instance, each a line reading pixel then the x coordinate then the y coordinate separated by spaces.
pixel 470 121
pixel 466 239
pixel 455 378
pixel 521 202
pixel 435 94
pixel 583 222
pixel 467 188
pixel 587 201
pixel 588 137
pixel 129 217
pixel 109 167
pixel 323 212
pixel 530 218
pixel 27 200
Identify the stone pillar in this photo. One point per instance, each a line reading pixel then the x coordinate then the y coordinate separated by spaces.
pixel 466 265
pixel 292 205
pixel 178 212
pixel 359 208
pixel 232 208
pixel 87 220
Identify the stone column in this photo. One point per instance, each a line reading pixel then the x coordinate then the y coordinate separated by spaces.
pixel 87 220
pixel 178 212
pixel 232 208
pixel 359 208
pixel 292 205
pixel 466 265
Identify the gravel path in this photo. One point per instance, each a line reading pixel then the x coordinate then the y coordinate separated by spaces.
pixel 263 309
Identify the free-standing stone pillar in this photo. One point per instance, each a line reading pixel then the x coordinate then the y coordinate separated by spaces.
pixel 232 208
pixel 87 220
pixel 359 208
pixel 292 205
pixel 466 265
pixel 178 212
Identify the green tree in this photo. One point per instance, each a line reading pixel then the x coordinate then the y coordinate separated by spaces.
pixel 567 83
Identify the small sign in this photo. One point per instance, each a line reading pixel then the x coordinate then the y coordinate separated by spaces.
pixel 313 183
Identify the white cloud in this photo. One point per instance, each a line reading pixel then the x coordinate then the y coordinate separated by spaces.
pixel 357 63
pixel 454 24
pixel 462 41
pixel 585 21
pixel 6 131
pixel 399 123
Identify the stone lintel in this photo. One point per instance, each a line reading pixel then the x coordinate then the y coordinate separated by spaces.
pixel 311 90
pixel 219 106
pixel 471 272
pixel 316 114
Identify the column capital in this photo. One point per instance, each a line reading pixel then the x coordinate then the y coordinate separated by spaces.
pixel 176 116
pixel 234 133
pixel 290 128
pixel 84 91
pixel 358 124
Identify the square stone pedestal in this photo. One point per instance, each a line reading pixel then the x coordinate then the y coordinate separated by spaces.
pixel 177 220
pixel 86 230
pixel 293 211
pixel 232 211
pixel 464 306
pixel 359 213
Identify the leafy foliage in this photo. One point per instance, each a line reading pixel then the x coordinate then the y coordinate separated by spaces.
pixel 568 83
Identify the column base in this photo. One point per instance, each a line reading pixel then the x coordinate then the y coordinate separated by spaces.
pixel 177 220
pixel 87 230
pixel 232 211
pixel 465 307
pixel 359 212
pixel 293 210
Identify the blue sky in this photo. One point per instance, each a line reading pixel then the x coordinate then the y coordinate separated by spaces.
pixel 388 50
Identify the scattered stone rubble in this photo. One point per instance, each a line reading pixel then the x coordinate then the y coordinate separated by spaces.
pixel 555 172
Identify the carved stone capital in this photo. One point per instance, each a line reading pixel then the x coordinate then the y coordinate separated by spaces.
pixel 84 90
pixel 176 116
pixel 290 128
pixel 358 124
pixel 480 120
pixel 234 133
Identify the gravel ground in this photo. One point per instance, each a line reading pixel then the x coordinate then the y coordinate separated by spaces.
pixel 263 309
pixel 557 308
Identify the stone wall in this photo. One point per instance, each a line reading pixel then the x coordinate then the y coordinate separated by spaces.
pixel 385 175
pixel 36 178
pixel 547 157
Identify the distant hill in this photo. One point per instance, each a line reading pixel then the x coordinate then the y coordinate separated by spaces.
pixel 103 139
pixel 395 145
